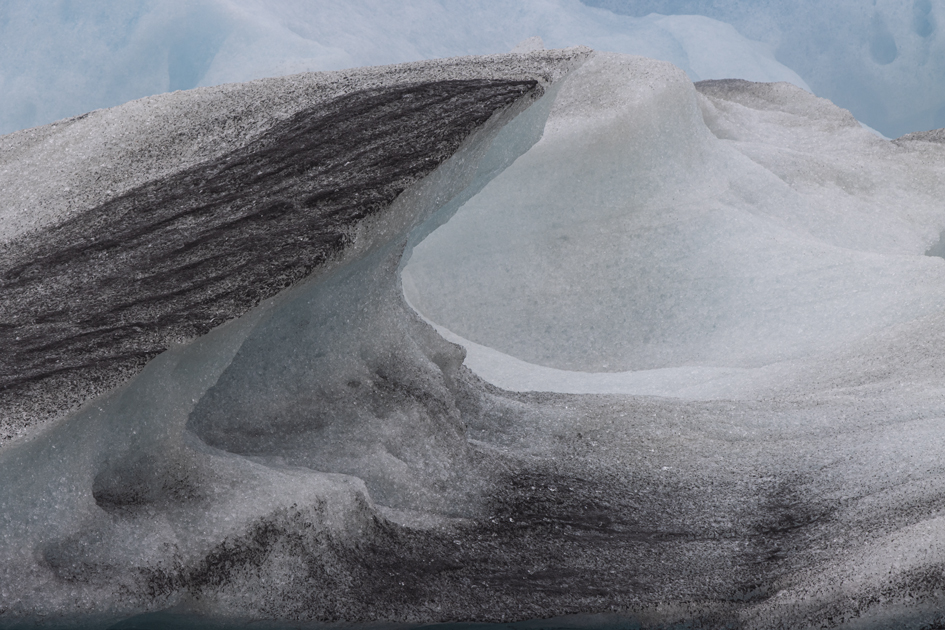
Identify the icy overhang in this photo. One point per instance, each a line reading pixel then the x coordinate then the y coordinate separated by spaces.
pixel 130 229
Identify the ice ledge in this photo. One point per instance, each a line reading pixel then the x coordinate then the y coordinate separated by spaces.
pixel 127 230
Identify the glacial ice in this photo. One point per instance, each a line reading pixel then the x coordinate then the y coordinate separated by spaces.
pixel 329 409
pixel 724 229
pixel 65 59
pixel 883 61
pixel 746 259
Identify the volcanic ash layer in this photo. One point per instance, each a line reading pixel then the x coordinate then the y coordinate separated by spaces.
pixel 217 400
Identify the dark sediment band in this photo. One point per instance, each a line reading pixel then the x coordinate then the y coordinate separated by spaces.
pixel 95 297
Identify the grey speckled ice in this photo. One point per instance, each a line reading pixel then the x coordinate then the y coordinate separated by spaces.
pixel 934 135
pixel 128 229
pixel 49 173
pixel 328 457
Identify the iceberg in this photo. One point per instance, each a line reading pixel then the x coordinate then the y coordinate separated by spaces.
pixel 881 60
pixel 484 339
pixel 59 60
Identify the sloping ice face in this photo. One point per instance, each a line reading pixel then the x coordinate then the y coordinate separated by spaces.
pixel 746 252
pixel 329 411
pixel 682 240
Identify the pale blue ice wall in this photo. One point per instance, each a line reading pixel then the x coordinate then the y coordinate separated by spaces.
pixel 63 58
pixel 883 60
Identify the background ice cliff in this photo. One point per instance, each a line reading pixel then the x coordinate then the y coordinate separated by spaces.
pixel 883 60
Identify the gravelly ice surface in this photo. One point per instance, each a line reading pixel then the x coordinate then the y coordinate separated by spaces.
pixel 127 230
pixel 328 457
pixel 52 172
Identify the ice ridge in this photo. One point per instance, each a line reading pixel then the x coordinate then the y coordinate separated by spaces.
pixel 753 256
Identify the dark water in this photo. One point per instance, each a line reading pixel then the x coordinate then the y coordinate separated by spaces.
pixel 172 621
pixel 931 619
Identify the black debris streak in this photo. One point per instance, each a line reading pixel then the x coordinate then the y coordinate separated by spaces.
pixel 94 298
pixel 552 543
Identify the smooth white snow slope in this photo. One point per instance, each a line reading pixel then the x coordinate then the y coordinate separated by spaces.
pixel 60 59
pixel 690 240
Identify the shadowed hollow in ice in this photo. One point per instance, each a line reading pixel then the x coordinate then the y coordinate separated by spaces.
pixel 684 234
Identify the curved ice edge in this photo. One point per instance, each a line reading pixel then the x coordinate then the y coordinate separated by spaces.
pixel 514 374
pixel 876 133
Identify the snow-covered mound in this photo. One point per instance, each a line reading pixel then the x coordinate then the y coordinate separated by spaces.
pixel 325 456
pixel 735 226
pixel 64 59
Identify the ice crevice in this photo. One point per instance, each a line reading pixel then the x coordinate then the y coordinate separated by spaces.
pixel 613 343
